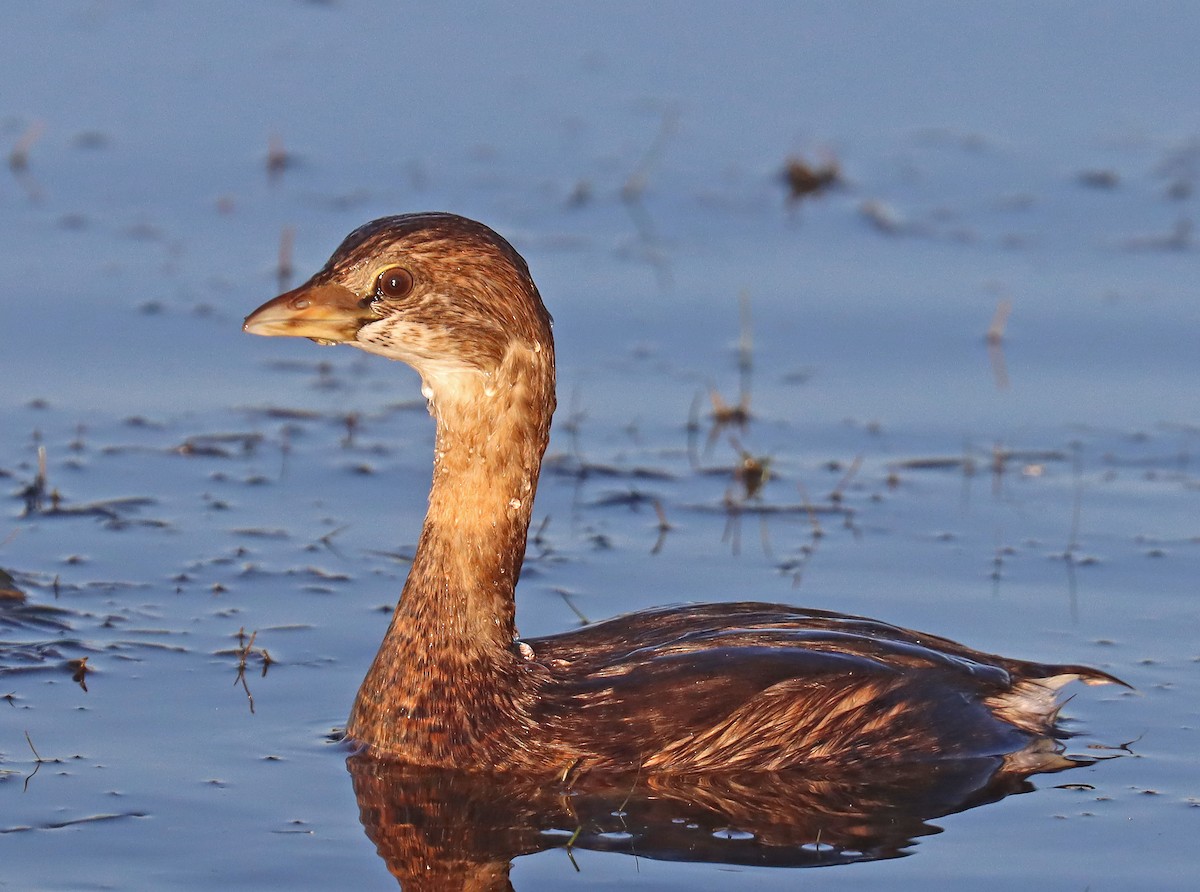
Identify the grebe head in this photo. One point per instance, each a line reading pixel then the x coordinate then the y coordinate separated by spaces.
pixel 445 294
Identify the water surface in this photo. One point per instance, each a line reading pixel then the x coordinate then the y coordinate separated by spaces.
pixel 1046 156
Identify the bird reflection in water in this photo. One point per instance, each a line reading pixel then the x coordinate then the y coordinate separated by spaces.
pixel 447 830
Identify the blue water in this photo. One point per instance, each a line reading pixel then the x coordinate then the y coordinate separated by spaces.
pixel 144 226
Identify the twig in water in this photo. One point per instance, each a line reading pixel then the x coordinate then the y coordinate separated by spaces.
pixel 327 540
pixel 79 672
pixel 803 179
pixel 539 537
pixel 18 158
pixel 570 845
pixel 38 762
pixel 243 654
pixel 1073 534
pixel 631 197
pixel 751 473
pixel 995 332
pixel 352 423
pixel 636 777
pixel 739 415
pixel 565 595
pixel 995 343
pixel 35 493
pixel 664 527
pixel 814 518
pixel 851 472
pixel 1000 457
pixel 725 415
pixel 541 541
pixel 285 448
pixel 808 549
pixel 287 239
pixel 278 158
pixel 745 348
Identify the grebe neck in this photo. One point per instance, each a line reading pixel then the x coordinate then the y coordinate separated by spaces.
pixel 451 635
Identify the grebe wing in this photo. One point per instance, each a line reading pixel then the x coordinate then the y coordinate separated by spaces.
pixel 766 686
pixel 815 641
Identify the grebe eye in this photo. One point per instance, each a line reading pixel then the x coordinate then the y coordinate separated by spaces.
pixel 394 282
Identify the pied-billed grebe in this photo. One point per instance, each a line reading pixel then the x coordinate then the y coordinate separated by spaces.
pixel 683 689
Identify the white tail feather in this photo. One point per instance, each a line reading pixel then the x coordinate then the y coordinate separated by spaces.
pixel 1032 704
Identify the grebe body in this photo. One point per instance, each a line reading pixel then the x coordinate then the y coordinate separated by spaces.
pixel 719 687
